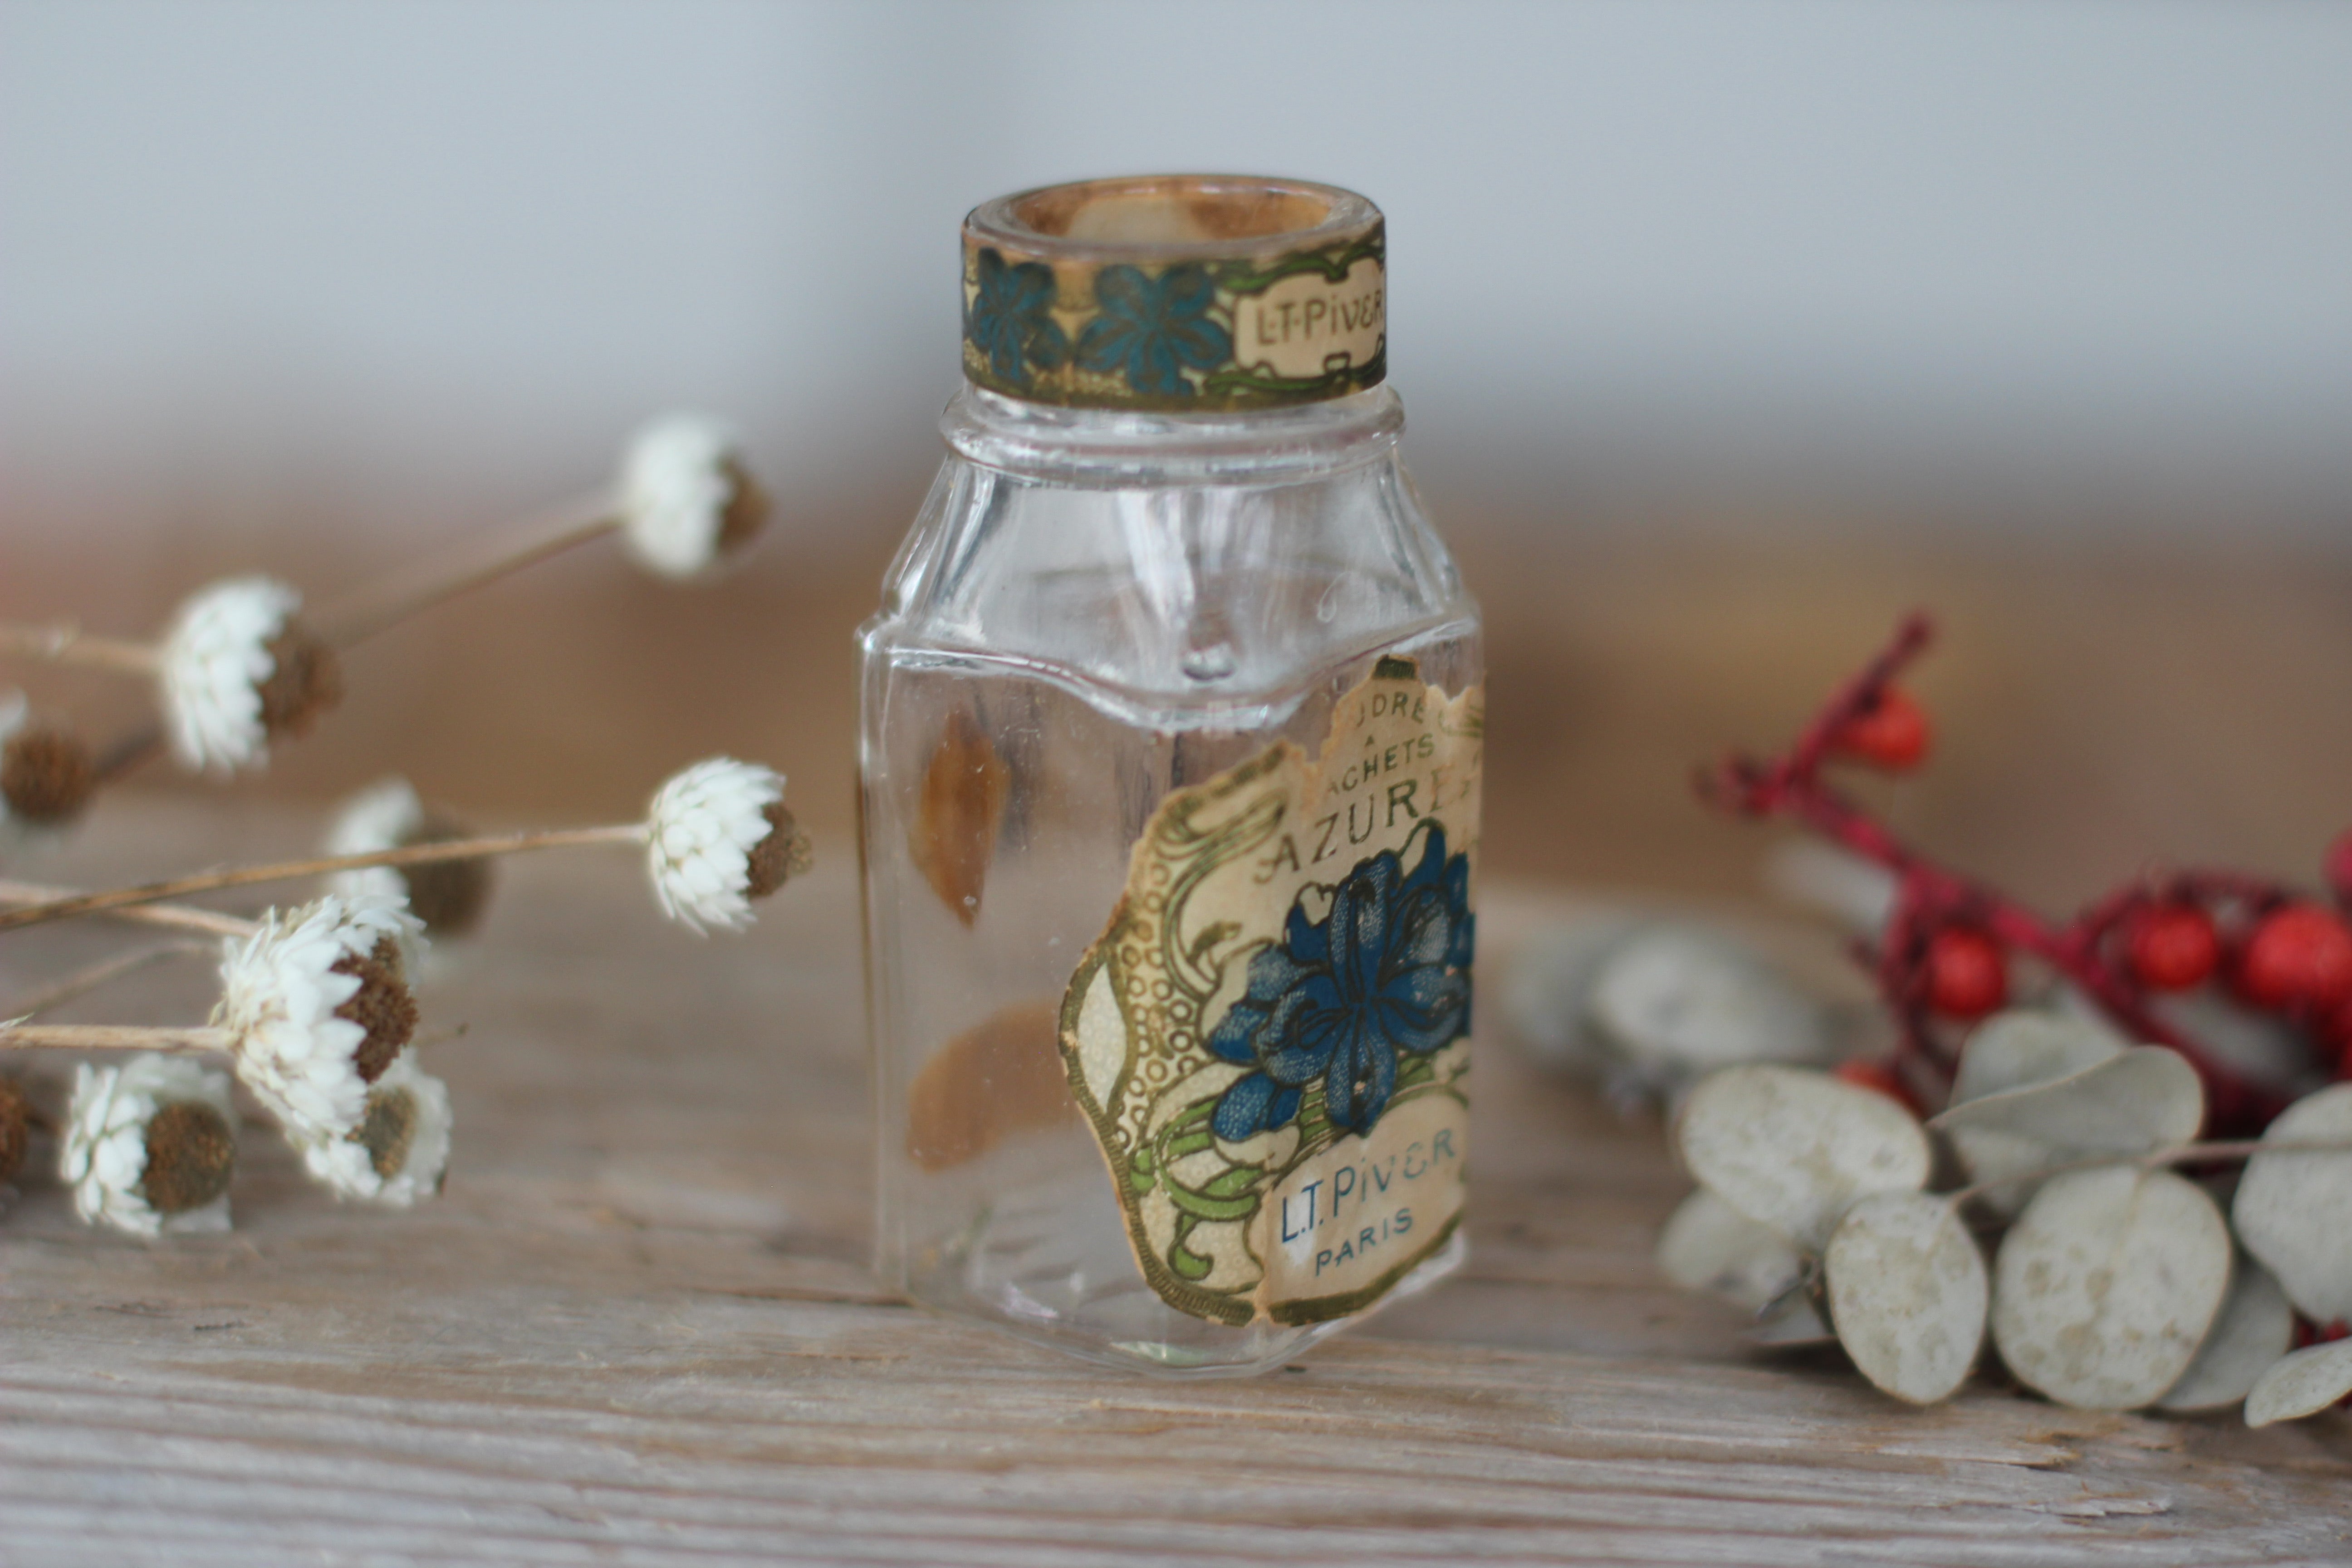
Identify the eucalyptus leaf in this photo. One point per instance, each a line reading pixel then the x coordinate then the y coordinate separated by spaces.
pixel 2026 1046
pixel 2294 1210
pixel 2006 1165
pixel 2255 1328
pixel 1709 1246
pixel 2303 1383
pixel 1793 1149
pixel 1907 1294
pixel 2107 1285
pixel 1676 1001
pixel 1548 990
pixel 2147 1098
pixel 2130 1104
pixel 1791 1320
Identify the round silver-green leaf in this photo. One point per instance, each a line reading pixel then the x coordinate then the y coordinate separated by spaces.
pixel 2303 1383
pixel 2025 1045
pixel 1793 1149
pixel 2255 1328
pixel 2294 1210
pixel 1907 1294
pixel 1709 1246
pixel 2107 1285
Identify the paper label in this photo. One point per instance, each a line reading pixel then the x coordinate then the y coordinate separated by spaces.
pixel 1271 1038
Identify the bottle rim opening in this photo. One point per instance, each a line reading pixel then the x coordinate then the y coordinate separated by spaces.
pixel 1164 217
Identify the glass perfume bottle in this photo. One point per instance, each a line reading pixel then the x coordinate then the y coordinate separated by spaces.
pixel 1171 763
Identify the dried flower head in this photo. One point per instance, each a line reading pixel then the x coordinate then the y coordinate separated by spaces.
pixel 447 896
pixel 150 1145
pixel 319 1010
pixel 15 1128
pixel 718 837
pixel 46 773
pixel 399 1150
pixel 687 501
pixel 239 669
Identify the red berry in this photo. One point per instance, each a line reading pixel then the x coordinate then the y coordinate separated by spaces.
pixel 2339 867
pixel 1968 974
pixel 2171 946
pixel 1893 733
pixel 1877 1075
pixel 2299 957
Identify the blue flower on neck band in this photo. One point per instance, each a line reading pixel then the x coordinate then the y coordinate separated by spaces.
pixel 1152 328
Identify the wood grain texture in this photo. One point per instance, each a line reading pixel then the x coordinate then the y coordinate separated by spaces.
pixel 637 1330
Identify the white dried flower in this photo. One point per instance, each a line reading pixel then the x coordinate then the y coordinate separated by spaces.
pixel 400 1149
pixel 149 1146
pixel 318 1011
pixel 237 668
pixel 718 837
pixel 384 816
pixel 447 896
pixel 687 501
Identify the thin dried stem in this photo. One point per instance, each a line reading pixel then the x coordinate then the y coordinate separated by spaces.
pixel 179 916
pixel 81 982
pixel 66 643
pixel 2156 1159
pixel 118 898
pixel 390 600
pixel 113 1038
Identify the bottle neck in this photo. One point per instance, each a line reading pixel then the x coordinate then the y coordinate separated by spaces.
pixel 1122 448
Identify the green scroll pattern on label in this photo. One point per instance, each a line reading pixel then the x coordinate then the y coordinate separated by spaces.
pixel 1189 335
pixel 1271 1038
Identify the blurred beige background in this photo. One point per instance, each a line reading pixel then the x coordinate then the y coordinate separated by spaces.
pixel 1728 331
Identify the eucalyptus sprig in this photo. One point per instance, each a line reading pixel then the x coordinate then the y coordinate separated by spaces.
pixel 2118 1280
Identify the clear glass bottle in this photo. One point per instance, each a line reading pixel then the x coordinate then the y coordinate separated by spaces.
pixel 1170 765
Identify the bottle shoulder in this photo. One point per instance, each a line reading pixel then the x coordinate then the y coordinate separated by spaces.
pixel 1208 589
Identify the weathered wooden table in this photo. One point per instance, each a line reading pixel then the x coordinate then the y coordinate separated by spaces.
pixel 637 1329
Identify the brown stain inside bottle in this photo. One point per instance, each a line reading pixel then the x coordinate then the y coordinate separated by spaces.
pixel 1000 1077
pixel 954 836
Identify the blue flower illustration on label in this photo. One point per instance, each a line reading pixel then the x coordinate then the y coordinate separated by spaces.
pixel 1386 971
pixel 1153 328
pixel 1008 319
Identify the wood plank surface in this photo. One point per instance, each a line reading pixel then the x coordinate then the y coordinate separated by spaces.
pixel 637 1330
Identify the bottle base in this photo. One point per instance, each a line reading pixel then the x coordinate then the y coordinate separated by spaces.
pixel 1165 1343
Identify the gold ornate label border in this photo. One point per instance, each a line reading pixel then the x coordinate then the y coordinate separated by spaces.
pixel 1271 1038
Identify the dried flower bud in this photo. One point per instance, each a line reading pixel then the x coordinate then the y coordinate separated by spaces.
pixel 150 1146
pixel 15 1128
pixel 447 896
pixel 399 1150
pixel 687 503
pixel 239 669
pixel 382 1005
pixel 306 679
pixel 716 837
pixel 47 776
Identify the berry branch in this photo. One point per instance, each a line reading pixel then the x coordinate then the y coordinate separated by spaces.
pixel 1944 958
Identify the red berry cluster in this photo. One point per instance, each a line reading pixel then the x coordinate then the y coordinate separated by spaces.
pixel 1953 948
